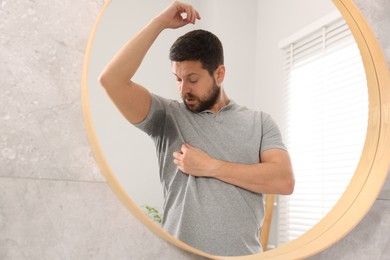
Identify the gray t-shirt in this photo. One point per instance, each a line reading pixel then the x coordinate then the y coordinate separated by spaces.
pixel 206 213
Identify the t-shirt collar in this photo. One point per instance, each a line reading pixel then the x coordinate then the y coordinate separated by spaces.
pixel 227 107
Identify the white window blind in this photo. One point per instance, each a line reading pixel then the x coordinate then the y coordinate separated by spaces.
pixel 325 123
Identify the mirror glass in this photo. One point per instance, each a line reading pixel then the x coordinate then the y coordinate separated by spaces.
pixel 251 35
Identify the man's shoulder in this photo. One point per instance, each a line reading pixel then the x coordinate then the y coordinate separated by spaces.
pixel 248 111
pixel 166 102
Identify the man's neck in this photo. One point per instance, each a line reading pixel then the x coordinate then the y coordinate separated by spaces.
pixel 222 101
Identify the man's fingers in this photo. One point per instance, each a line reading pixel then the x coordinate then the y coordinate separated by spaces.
pixel 188 146
pixel 179 165
pixel 194 15
pixel 197 15
pixel 189 11
pixel 177 162
pixel 184 148
pixel 177 155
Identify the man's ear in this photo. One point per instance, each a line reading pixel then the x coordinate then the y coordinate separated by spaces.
pixel 219 74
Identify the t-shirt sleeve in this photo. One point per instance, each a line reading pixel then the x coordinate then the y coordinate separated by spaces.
pixel 155 120
pixel 271 136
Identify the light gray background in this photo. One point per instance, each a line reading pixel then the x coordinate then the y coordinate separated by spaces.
pixel 54 203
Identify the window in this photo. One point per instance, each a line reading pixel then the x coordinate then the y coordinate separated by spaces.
pixel 325 119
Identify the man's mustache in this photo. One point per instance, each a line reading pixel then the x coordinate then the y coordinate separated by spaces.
pixel 189 96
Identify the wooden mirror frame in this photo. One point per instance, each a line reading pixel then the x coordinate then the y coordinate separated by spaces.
pixel 365 185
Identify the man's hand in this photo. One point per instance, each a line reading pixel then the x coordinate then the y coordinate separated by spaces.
pixel 193 161
pixel 178 14
pixel 274 175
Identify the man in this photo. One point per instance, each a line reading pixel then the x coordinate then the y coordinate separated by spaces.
pixel 216 158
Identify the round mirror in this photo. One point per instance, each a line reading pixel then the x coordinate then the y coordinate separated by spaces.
pixel 127 156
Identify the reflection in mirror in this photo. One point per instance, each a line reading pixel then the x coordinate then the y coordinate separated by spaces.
pixel 325 119
pixel 254 68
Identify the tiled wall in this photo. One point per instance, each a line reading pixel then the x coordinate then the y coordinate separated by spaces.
pixel 54 204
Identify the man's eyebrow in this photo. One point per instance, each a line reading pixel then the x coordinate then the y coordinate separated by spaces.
pixel 188 75
pixel 192 74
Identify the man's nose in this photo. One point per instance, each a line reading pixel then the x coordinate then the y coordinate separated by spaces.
pixel 184 88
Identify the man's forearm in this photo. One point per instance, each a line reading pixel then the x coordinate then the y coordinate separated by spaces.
pixel 270 177
pixel 127 61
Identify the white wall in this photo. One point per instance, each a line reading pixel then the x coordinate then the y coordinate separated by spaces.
pixel 277 20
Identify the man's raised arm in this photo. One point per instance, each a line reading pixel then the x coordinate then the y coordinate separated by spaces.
pixel 133 100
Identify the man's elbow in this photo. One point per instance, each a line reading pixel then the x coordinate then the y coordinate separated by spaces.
pixel 103 80
pixel 288 185
pixel 110 81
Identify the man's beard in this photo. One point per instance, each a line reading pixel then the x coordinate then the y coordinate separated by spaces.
pixel 203 104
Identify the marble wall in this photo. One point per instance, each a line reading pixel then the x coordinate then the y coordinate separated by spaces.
pixel 54 203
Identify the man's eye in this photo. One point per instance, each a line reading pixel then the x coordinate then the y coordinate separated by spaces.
pixel 193 81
